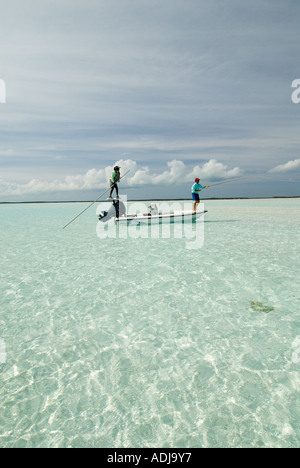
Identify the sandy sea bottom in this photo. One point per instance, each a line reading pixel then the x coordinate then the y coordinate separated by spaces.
pixel 146 343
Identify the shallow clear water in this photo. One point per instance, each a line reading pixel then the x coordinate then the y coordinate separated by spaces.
pixel 145 343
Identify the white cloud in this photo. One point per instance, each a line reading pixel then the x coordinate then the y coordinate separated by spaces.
pixel 91 180
pixel 287 167
pixel 214 170
pixel 178 173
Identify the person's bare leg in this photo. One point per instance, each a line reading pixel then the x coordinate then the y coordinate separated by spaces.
pixel 196 205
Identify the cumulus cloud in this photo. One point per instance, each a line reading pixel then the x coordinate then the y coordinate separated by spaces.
pixel 287 167
pixel 214 170
pixel 177 173
pixel 92 179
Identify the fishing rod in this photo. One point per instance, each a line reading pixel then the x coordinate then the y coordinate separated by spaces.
pixel 102 194
pixel 228 181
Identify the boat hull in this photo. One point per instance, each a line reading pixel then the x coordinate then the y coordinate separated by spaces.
pixel 164 218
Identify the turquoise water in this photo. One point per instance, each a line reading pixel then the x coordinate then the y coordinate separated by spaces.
pixel 145 343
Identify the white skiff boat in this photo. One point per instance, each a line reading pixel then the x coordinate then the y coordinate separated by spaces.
pixel 160 218
pixel 118 213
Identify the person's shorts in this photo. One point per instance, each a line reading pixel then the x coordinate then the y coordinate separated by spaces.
pixel 196 197
pixel 113 184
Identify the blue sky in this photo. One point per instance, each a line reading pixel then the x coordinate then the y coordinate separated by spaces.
pixel 170 89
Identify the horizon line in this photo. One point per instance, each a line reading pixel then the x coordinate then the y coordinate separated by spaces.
pixel 145 199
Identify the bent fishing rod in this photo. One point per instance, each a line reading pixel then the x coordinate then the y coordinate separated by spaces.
pixel 228 181
pixel 102 195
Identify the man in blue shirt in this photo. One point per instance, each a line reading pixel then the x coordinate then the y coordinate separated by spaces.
pixel 196 189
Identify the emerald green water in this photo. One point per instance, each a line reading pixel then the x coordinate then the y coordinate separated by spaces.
pixel 145 343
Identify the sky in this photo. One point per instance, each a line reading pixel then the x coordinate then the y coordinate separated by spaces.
pixel 168 89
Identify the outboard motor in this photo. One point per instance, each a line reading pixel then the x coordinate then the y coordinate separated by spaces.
pixel 116 210
pixel 153 210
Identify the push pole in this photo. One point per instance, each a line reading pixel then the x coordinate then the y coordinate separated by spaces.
pixel 102 194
